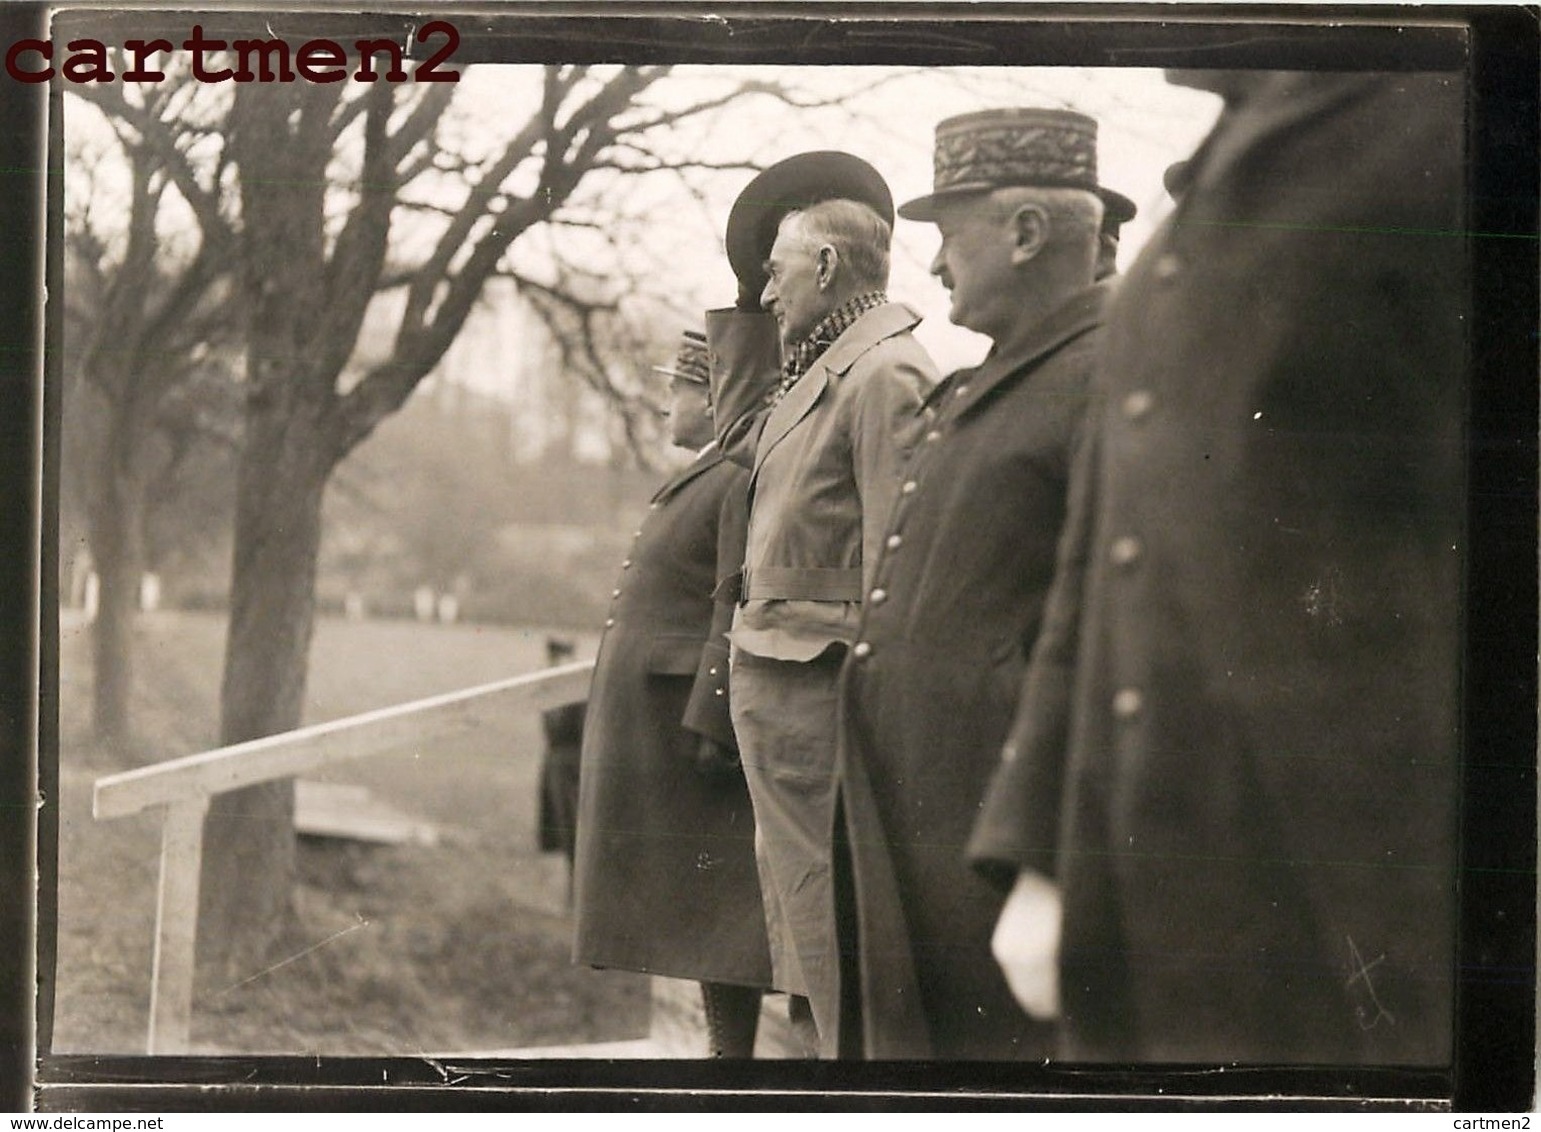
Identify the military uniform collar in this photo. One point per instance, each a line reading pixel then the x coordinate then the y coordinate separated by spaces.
pixel 1274 101
pixel 708 457
pixel 1072 318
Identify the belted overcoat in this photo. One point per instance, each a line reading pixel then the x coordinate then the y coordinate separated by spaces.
pixel 665 878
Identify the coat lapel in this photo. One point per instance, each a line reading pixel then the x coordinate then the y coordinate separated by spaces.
pixel 867 331
pixel 793 407
pixel 708 459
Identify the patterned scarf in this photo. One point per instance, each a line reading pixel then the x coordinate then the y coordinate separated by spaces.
pixel 822 336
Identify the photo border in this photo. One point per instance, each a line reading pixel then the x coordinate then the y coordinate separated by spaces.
pixel 1495 1019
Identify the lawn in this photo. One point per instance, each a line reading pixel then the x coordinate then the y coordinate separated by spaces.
pixel 460 946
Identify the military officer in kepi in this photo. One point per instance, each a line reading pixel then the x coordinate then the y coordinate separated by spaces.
pixel 666 881
pixel 955 600
pixel 809 242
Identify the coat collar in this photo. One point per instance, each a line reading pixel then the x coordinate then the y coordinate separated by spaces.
pixel 1074 317
pixel 863 334
pixel 708 458
pixel 866 332
pixel 1277 102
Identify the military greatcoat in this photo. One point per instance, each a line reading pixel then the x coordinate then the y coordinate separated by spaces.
pixel 1253 663
pixel 954 607
pixel 665 879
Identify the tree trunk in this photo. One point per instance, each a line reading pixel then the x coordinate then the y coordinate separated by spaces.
pixel 117 544
pixel 280 139
pixel 249 848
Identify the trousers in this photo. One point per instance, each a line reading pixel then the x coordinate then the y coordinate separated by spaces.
pixel 784 716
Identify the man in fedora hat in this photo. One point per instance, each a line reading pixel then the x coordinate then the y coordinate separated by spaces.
pixel 956 597
pixel 809 239
pixel 1227 810
pixel 660 789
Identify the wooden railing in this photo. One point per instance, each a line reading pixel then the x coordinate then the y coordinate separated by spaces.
pixel 182 788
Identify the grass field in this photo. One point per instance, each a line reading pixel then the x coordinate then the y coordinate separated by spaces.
pixel 455 947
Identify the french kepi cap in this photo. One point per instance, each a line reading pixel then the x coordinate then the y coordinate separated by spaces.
pixel 690 363
pixel 994 149
pixel 788 185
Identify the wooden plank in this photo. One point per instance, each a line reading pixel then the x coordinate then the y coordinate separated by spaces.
pixel 176 927
pixel 307 749
pixel 337 809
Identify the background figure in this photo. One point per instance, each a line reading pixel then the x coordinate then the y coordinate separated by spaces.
pixel 563 728
pixel 1233 773
pixel 666 879
pixel 826 458
pixel 958 594
pixel 1117 210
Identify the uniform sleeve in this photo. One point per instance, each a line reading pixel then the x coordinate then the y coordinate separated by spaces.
pixel 707 712
pixel 744 356
pixel 1018 825
pixel 886 423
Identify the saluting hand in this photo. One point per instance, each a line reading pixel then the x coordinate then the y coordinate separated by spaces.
pixel 748 299
pixel 1026 943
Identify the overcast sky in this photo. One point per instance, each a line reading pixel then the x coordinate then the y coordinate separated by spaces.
pixel 1145 124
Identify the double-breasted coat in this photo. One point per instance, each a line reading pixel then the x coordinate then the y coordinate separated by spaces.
pixel 665 878
pixel 1253 660
pixel 928 693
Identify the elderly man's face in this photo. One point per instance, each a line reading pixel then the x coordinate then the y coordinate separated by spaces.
pixel 792 292
pixel 974 264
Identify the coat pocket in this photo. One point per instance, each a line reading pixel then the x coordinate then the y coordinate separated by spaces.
pixel 674 655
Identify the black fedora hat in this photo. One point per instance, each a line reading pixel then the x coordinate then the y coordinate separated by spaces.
pixel 788 185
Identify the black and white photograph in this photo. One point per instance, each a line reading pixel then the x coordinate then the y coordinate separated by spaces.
pixel 727 551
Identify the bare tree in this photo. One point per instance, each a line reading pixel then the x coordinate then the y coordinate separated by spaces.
pixel 336 187
pixel 149 320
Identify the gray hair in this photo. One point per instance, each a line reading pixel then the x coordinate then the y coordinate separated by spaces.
pixel 857 233
pixel 1075 215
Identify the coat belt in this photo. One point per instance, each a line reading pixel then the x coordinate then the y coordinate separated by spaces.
pixel 802 583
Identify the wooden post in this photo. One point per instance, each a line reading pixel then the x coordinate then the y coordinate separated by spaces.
pixel 176 926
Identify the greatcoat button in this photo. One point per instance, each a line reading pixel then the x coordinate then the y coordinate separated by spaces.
pixel 893 542
pixel 1168 266
pixel 1138 404
pixel 1127 703
pixel 1125 550
pixel 862 650
pixel 878 596
pixel 908 487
